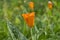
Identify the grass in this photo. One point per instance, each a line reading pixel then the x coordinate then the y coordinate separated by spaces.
pixel 14 27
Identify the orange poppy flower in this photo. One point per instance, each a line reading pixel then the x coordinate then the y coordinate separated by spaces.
pixel 31 5
pixel 49 4
pixel 29 18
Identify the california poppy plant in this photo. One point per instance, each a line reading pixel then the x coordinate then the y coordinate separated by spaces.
pixel 31 5
pixel 49 4
pixel 29 18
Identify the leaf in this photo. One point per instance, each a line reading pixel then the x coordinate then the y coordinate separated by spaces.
pixel 14 32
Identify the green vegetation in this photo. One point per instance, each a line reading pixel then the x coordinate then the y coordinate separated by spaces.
pixel 14 27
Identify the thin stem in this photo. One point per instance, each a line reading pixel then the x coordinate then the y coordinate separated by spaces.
pixel 32 34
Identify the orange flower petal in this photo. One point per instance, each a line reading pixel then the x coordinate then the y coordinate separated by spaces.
pixel 50 5
pixel 31 5
pixel 29 18
pixel 32 14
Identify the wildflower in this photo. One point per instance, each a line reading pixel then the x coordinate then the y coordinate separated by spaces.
pixel 29 18
pixel 31 5
pixel 49 4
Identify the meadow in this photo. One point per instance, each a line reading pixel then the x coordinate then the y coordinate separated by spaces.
pixel 29 19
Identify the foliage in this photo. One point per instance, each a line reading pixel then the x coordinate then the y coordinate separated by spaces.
pixel 13 26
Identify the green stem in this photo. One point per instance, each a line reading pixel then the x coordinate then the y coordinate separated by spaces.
pixel 32 34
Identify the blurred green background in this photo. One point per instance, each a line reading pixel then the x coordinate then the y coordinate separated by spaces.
pixel 13 26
